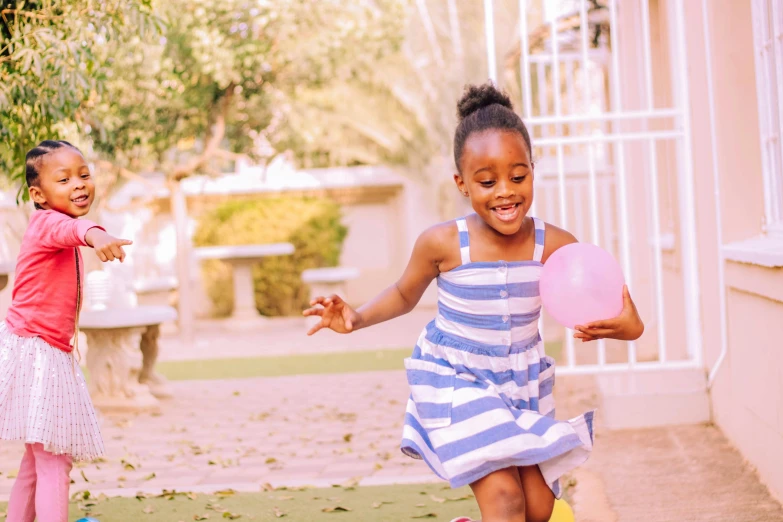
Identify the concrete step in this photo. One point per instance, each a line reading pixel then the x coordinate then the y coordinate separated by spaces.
pixel 646 399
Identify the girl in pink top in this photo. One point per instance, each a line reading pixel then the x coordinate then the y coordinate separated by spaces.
pixel 43 397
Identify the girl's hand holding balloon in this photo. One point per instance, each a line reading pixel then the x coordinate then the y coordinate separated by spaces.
pixel 583 288
pixel 627 326
pixel 335 314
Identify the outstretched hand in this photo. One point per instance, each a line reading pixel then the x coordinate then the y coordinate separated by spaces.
pixel 335 314
pixel 106 246
pixel 627 326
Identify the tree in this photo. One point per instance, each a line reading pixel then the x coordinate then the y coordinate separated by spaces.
pixel 223 80
pixel 53 58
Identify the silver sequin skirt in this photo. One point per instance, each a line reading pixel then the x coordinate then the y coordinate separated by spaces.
pixel 44 398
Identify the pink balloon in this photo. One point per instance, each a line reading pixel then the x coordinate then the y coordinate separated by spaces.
pixel 581 283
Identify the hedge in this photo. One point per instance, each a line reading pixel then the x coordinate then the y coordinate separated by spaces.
pixel 313 226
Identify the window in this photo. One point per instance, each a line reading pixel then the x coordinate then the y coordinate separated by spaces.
pixel 768 45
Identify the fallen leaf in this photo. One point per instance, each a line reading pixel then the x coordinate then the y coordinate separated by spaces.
pixel 334 509
pixel 352 483
pixel 231 516
pixel 13 473
pixel 191 496
pixel 427 515
pixel 266 486
pixel 377 505
pixel 201 517
pixel 148 510
pixel 150 476
pixel 437 499
pixel 271 460
pixel 279 514
pixel 457 499
pixel 421 505
pixel 225 493
pixel 347 437
pixel 285 498
pixel 127 465
pixel 83 494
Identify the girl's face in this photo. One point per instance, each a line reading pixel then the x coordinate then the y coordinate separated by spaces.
pixel 497 175
pixel 64 183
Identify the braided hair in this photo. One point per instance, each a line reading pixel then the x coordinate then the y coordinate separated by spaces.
pixel 35 156
pixel 484 107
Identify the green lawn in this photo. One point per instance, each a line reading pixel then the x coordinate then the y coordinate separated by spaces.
pixel 339 362
pixel 339 504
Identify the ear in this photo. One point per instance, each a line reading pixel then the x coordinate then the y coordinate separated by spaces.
pixel 461 184
pixel 37 195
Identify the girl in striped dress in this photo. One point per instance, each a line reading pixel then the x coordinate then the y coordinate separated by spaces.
pixel 481 410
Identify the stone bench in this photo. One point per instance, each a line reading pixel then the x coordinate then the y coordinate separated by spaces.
pixel 155 291
pixel 326 282
pixel 122 345
pixel 122 349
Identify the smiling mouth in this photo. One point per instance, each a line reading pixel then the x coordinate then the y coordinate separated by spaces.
pixel 507 212
pixel 81 199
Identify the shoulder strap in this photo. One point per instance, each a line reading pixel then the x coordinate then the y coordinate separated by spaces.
pixel 538 252
pixel 464 240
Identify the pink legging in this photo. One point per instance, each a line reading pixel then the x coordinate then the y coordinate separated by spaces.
pixel 41 488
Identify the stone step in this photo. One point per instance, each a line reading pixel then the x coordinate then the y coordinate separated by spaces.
pixel 645 399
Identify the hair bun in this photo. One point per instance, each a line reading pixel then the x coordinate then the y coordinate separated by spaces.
pixel 477 97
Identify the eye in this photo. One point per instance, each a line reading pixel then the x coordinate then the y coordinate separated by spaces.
pixel 487 183
pixel 519 179
pixel 86 175
pixel 64 180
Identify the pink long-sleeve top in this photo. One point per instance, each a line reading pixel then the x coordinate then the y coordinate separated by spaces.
pixel 45 293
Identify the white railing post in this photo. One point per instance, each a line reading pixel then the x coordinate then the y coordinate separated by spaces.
pixel 689 239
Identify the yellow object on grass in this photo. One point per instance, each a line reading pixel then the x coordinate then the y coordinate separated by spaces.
pixel 562 512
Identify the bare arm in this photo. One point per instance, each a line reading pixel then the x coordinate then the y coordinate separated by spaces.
pixel 401 297
pixel 555 239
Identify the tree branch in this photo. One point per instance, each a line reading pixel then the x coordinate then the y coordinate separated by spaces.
pixel 217 134
pixel 28 14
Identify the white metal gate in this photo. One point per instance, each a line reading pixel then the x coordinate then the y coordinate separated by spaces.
pixel 591 148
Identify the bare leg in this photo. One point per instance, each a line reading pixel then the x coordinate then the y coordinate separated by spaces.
pixel 539 499
pixel 500 496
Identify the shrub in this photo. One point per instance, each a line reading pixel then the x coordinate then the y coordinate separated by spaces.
pixel 312 225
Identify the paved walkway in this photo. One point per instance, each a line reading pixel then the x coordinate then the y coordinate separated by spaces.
pixel 295 430
pixel 327 429
pixel 674 474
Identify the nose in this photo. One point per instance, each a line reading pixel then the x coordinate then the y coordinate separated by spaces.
pixel 79 183
pixel 504 189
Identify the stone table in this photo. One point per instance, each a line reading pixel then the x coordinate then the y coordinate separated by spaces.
pixel 242 258
pixel 121 356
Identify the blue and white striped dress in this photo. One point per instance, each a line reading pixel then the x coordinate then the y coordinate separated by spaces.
pixel 481 385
